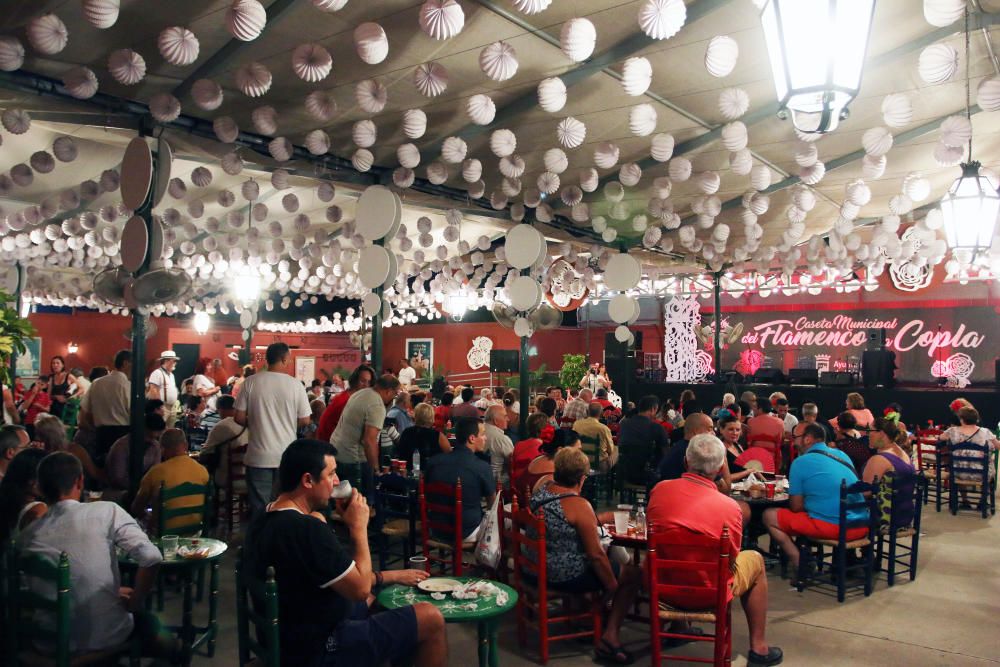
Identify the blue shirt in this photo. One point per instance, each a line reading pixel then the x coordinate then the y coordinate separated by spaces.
pixel 402 420
pixel 817 477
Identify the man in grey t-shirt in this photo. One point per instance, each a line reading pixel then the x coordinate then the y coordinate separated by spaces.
pixel 356 435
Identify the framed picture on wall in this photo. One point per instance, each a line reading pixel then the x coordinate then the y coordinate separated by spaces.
pixel 420 353
pixel 29 364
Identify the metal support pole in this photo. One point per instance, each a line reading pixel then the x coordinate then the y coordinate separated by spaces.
pixel 137 403
pixel 18 300
pixel 718 326
pixel 377 329
pixel 523 388
pixel 587 349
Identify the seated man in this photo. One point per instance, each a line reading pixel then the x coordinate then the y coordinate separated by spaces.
pixel 642 440
pixel 814 496
pixel 498 446
pixel 224 437
pixel 576 408
pixel 323 587
pixel 177 468
pixel 466 408
pixel 117 462
pixel 764 429
pixel 104 613
pixel 693 503
pixel 671 465
pixel 476 475
pixel 590 426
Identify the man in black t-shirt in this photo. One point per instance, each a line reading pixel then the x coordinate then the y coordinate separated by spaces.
pixel 322 586
pixel 476 475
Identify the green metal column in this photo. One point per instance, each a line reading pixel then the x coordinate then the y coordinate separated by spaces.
pixel 523 388
pixel 137 404
pixel 718 326
pixel 18 300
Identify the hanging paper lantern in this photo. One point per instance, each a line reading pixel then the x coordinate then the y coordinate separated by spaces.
pixel 364 133
pixel 552 94
pixel 642 120
pixel 320 105
pixel 232 163
pixel 453 150
pixel 813 174
pixel 570 132
pixel 126 67
pixel 679 169
pixel 441 19
pixel 548 182
pixel 164 107
pixel 876 141
pixel 371 96
pixel 734 136
pixel 606 155
pixel 42 162
pixel 47 34
pixel 630 174
pixel 481 109
pixel 226 129
pixel 555 160
pixel 942 13
pixel 101 14
pixel 431 79
pixel 956 131
pixel 11 53
pixel 437 173
pixel 245 19
pixel 577 39
pixel 81 83
pixel 311 62
pixel 897 110
pixel 318 142
pixel 362 160
pixel 637 74
pixel 511 166
pixel 662 19
pixel 64 149
pixel 937 63
pixel 253 79
pixel 662 147
pixel 280 149
pixel 265 120
pixel 414 123
pixel 371 43
pixel 503 142
pixel 15 121
pixel 201 177
pixel 721 55
pixel 178 46
pixel 948 156
pixel 872 167
pixel 532 6
pixel 498 61
pixel 733 103
pixel 408 156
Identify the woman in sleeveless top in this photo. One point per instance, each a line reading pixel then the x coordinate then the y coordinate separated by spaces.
pixel 19 494
pixel 58 385
pixel 971 433
pixel 891 461
pixel 541 467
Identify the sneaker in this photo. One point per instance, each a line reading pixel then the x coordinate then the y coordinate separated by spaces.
pixel 774 657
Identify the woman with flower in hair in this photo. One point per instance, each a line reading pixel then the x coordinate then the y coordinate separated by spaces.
pixel 540 470
pixel 529 449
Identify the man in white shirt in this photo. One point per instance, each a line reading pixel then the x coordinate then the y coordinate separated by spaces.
pixel 780 403
pixel 272 405
pixel 226 435
pixel 498 445
pixel 407 373
pixel 163 386
pixel 105 406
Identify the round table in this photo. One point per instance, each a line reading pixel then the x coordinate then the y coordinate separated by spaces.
pixel 191 635
pixel 485 613
pixel 755 526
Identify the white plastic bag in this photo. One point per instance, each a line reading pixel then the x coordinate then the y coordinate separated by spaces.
pixel 488 542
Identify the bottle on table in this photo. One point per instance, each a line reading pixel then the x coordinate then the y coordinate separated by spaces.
pixel 416 463
pixel 640 521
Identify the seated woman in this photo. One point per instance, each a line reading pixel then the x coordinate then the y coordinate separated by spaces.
pixel 20 497
pixel 575 559
pixel 540 470
pixel 730 430
pixel 863 417
pixel 421 437
pixel 442 413
pixel 852 442
pixel 891 460
pixel 528 449
pixel 52 434
pixel 969 432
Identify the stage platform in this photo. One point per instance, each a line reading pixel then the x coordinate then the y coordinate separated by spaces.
pixel 919 402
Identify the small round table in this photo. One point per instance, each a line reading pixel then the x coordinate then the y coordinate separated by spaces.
pixel 755 527
pixel 486 612
pixel 191 635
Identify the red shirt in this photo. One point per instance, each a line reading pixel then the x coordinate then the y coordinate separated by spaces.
pixel 442 414
pixel 765 431
pixel 328 420
pixel 41 403
pixel 695 504
pixel 524 453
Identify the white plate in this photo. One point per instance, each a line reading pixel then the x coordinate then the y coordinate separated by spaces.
pixel 136 173
pixel 525 293
pixel 622 273
pixel 378 212
pixel 439 585
pixel 135 243
pixel 374 265
pixel 523 246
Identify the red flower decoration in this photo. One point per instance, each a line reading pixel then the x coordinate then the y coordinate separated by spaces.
pixel 548 434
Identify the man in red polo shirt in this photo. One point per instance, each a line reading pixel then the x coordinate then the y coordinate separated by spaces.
pixel 362 377
pixel 694 503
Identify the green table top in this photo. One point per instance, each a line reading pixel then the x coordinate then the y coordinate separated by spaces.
pixel 215 549
pixel 454 611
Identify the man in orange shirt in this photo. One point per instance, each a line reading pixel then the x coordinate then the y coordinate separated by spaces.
pixel 361 378
pixel 694 503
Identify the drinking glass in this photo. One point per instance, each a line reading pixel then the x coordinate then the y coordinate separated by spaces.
pixel 168 545
pixel 621 522
pixel 418 563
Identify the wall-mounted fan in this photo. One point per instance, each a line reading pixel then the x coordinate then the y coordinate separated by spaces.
pixel 504 314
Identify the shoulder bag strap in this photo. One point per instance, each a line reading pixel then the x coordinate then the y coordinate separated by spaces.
pixel 834 458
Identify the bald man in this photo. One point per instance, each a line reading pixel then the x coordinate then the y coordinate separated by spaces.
pixel 498 445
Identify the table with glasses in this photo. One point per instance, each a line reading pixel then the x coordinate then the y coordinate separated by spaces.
pixel 755 526
pixel 484 611
pixel 209 553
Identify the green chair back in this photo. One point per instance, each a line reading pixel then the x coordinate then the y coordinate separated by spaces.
pixel 201 510
pixel 24 604
pixel 70 416
pixel 592 448
pixel 264 642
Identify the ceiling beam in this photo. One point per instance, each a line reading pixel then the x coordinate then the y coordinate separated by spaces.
pixel 229 51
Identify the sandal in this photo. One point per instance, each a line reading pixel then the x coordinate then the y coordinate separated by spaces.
pixel 674 642
pixel 608 652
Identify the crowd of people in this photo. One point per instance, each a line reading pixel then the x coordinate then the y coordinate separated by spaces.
pixel 299 442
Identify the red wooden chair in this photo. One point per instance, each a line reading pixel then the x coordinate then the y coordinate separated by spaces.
pixel 441 516
pixel 702 559
pixel 534 595
pixel 932 459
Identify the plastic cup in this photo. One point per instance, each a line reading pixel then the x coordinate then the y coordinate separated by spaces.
pixel 168 545
pixel 769 489
pixel 621 523
pixel 418 563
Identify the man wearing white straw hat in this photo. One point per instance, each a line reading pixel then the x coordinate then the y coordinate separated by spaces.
pixel 163 386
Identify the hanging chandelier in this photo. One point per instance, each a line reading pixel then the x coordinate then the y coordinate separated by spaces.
pixel 817 50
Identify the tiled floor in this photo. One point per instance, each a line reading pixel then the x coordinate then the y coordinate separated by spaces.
pixel 948 616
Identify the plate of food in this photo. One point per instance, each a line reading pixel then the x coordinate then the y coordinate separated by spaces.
pixel 193 552
pixel 439 585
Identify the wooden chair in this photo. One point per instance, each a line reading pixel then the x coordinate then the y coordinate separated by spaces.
pixel 702 559
pixel 165 513
pixel 234 502
pixel 972 464
pixel 527 542
pixel 899 520
pixel 813 550
pixel 71 416
pixel 932 460
pixel 396 512
pixel 441 526
pixel 598 485
pixel 264 642
pixel 25 605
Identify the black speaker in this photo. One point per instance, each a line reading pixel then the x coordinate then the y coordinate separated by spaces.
pixel 876 339
pixel 504 361
pixel 996 371
pixel 769 376
pixel 803 376
pixel 613 349
pixel 837 379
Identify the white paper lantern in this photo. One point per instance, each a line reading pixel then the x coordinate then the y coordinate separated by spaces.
pixel 662 19
pixel 642 120
pixel 47 34
pixel 741 162
pixel 64 148
pixel 318 142
pixel 476 190
pixel 956 131
pixel 81 83
pixel 555 160
pixel 164 107
pixel 453 150
pixel 988 94
pixel 498 61
pixel 630 174
pixel 733 103
pixel 606 155
pixel 548 182
pixel 253 79
pixel 708 182
pixel 414 123
pixel 876 141
pixel 16 121
pixel 472 170
pixel 371 96
pixel 329 5
pixel 42 162
pixel 371 43
pixel 897 110
pixel 245 19
pixel 858 193
pixel 943 13
pixel 201 177
pixel 613 191
pixel 281 149
pixel 637 75
pixel 231 163
pixel 721 55
pixel 503 142
pixel 178 46
pixel 320 105
pixel 662 147
pixel 437 173
pixel 577 39
pixel 937 63
pixel 589 179
pixel 11 53
pixel 916 187
pixel 311 62
pixel 552 94
pixel 734 136
pixel 226 129
pixel 872 167
pixel 511 187
pixel 441 19
pixel 364 133
pixel 265 120
pixel 813 174
pixel 481 109
pixel 679 169
pixel 431 79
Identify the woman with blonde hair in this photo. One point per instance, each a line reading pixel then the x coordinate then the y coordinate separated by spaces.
pixel 855 404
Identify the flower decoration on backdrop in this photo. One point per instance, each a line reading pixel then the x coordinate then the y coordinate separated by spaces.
pixel 479 355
